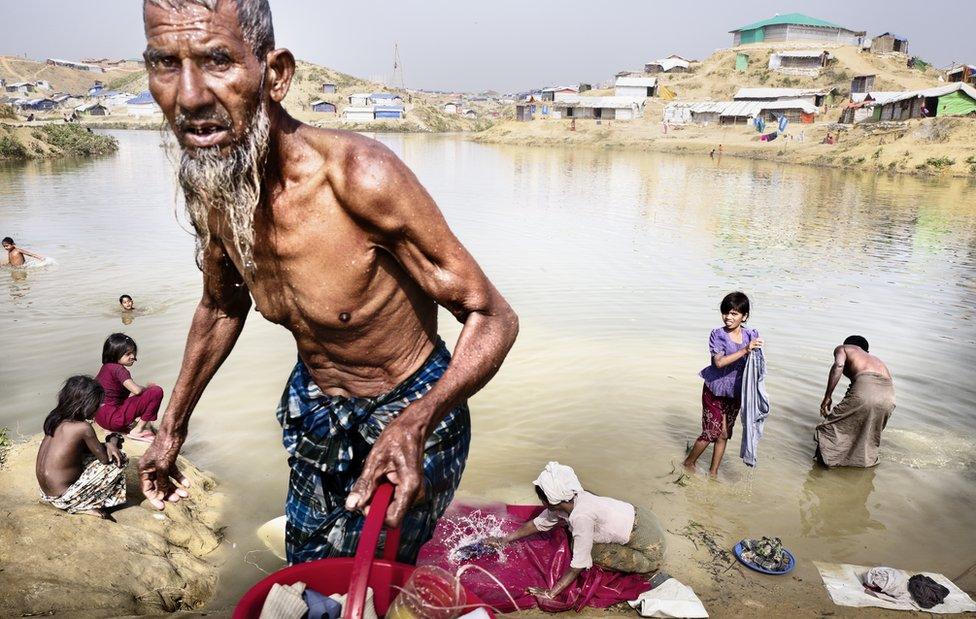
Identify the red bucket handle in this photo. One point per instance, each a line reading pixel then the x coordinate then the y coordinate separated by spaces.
pixel 366 551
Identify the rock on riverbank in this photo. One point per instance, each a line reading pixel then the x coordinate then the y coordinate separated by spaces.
pixel 148 562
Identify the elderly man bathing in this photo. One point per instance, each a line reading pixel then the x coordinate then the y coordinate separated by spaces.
pixel 850 433
pixel 337 241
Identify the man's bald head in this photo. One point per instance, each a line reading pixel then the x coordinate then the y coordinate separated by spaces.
pixel 253 16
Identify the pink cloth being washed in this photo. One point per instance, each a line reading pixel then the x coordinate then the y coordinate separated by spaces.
pixel 536 561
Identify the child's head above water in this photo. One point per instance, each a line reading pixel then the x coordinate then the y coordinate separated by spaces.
pixel 119 348
pixel 735 309
pixel 78 400
pixel 126 302
pixel 8 243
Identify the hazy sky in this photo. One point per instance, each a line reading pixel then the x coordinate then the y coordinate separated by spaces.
pixel 503 45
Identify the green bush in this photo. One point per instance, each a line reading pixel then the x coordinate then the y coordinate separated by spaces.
pixel 7 111
pixel 940 162
pixel 11 148
pixel 78 140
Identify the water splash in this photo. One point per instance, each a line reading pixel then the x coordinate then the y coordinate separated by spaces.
pixel 469 529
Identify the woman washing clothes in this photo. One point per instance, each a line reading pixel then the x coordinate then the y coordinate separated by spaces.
pixel 604 531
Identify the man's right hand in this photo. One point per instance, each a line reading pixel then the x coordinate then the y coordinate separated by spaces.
pixel 161 479
pixel 825 406
pixel 496 542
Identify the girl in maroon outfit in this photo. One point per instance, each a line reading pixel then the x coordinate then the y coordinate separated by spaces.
pixel 127 406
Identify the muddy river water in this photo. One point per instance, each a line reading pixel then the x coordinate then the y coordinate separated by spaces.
pixel 616 263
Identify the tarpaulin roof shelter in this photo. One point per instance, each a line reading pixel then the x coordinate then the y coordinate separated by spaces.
pixel 798 19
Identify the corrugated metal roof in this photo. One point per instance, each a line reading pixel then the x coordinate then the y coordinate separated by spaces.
pixel 879 96
pixel 645 82
pixel 959 68
pixel 388 108
pixel 790 18
pixel 667 64
pixel 789 104
pixel 384 95
pixel 938 91
pixel 802 53
pixel 742 108
pixel 615 102
pixel 897 37
pixel 143 98
pixel 775 93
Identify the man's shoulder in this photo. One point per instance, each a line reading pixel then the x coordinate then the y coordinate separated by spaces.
pixel 343 148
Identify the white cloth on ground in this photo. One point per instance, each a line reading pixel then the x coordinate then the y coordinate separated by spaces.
pixel 284 602
pixel 670 599
pixel 891 584
pixel 845 585
pixel 369 608
pixel 559 482
pixel 478 613
pixel 754 407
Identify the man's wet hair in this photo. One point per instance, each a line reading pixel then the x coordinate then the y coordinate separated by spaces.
pixel 117 345
pixel 123 298
pixel 8 240
pixel 253 16
pixel 857 340
pixel 735 301
pixel 78 400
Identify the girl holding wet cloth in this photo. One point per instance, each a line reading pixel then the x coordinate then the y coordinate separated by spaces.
pixel 606 532
pixel 728 346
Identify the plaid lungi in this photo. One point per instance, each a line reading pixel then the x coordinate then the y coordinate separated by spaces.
pixel 328 439
pixel 100 485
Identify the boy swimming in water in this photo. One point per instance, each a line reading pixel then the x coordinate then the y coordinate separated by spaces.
pixel 15 255
pixel 125 301
pixel 75 471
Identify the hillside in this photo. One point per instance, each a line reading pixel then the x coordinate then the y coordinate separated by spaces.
pixel 423 110
pixel 716 79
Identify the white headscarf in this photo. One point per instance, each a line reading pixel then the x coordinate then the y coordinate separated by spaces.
pixel 559 483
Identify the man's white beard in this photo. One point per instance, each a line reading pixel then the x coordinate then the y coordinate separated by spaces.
pixel 229 184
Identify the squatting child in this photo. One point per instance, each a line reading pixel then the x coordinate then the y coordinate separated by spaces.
pixel 75 471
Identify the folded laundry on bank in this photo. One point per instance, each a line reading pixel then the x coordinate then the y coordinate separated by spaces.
pixel 670 599
pixel 848 585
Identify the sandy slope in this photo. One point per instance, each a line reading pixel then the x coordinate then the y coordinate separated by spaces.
pixel 146 563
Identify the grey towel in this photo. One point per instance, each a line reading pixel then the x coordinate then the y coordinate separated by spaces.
pixel 755 405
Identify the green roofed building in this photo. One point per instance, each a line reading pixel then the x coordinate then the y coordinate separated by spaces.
pixel 795 27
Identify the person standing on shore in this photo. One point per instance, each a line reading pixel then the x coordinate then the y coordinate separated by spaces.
pixel 728 345
pixel 338 242
pixel 850 433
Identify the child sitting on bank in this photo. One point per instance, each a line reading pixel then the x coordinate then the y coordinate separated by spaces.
pixel 606 532
pixel 75 471
pixel 721 394
pixel 128 407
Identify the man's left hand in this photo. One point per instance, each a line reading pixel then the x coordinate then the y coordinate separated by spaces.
pixel 397 455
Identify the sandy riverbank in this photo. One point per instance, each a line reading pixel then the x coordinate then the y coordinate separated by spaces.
pixel 146 563
pixel 932 146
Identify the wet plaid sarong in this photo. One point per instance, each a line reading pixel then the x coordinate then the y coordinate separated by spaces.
pixel 328 438
pixel 100 485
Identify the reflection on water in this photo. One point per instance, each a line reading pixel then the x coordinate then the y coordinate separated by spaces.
pixel 616 263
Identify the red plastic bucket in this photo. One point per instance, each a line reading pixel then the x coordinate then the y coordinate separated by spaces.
pixel 352 575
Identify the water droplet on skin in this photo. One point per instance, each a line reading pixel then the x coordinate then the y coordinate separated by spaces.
pixel 344 316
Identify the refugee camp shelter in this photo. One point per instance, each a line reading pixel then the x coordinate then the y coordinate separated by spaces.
pixel 328 89
pixel 142 105
pixel 42 85
pixel 795 27
pixel 635 87
pixel 23 88
pixel 965 73
pixel 469 113
pixel 699 113
pixel 92 109
pixel 956 99
pixel 359 99
pixel 889 42
pixel 386 99
pixel 806 62
pixel 815 97
pixel 389 112
pixel 600 108
pixel 672 64
pixel 358 113
pixel 558 93
pixel 71 64
pixel 451 108
pixel 37 105
pixel 320 105
pixel 862 83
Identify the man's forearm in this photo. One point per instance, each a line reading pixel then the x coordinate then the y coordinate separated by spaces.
pixel 832 379
pixel 212 336
pixel 482 346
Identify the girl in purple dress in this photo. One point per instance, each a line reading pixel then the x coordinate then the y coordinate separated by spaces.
pixel 728 347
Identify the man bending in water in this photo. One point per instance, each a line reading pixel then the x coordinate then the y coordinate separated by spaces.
pixel 338 242
pixel 15 255
pixel 850 433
